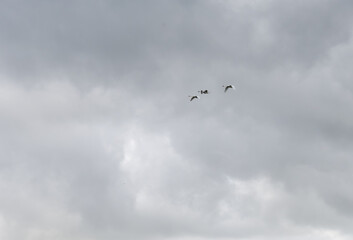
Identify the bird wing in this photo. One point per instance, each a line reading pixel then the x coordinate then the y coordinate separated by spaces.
pixel 227 87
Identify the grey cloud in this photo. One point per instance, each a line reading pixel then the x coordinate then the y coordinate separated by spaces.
pixel 99 139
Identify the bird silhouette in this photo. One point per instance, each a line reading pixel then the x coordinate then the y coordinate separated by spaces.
pixel 194 97
pixel 227 87
pixel 203 91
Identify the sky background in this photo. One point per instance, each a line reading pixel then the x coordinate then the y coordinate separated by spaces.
pixel 98 138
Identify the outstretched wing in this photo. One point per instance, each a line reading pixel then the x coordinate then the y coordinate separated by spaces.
pixel 227 87
pixel 193 97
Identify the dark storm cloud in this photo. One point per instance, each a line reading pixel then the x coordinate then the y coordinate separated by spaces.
pixel 99 139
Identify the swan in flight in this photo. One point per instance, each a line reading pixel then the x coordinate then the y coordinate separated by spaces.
pixel 193 97
pixel 203 91
pixel 227 87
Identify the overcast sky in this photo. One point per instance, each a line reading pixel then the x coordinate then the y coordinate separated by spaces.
pixel 98 138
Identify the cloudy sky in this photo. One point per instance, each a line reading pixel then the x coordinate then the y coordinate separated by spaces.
pixel 100 141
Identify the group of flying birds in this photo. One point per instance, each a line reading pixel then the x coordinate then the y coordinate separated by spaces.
pixel 206 92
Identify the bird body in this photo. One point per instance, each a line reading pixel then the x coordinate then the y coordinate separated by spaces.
pixel 194 97
pixel 203 91
pixel 228 87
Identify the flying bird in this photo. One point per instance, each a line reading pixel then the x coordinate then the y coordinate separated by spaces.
pixel 227 87
pixel 203 91
pixel 193 97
